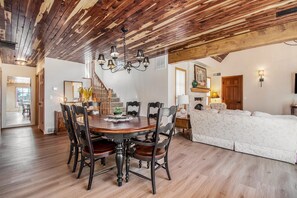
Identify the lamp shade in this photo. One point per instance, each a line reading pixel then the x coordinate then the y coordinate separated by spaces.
pixel 101 59
pixel 183 99
pixel 261 72
pixel 114 52
pixel 214 95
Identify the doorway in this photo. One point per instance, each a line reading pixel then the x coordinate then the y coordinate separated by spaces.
pixel 232 92
pixel 40 99
pixel 18 101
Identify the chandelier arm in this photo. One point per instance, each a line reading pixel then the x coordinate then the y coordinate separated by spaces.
pixel 139 64
pixel 116 70
pixel 104 68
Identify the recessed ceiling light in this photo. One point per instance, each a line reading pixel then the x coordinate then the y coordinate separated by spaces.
pixel 21 62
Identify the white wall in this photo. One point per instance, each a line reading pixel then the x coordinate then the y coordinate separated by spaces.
pixel 279 62
pixel 21 71
pixel 148 86
pixel 56 72
pixel 152 85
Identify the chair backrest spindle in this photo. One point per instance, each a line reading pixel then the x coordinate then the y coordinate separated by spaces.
pixel 133 104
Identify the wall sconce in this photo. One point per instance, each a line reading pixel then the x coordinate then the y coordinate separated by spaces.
pixel 261 76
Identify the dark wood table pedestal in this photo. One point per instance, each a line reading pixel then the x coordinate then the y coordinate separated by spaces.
pixel 119 139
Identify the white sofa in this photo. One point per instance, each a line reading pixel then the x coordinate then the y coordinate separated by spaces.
pixel 258 134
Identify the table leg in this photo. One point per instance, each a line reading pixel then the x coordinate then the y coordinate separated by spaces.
pixel 119 161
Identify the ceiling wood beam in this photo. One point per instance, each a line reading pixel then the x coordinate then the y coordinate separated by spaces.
pixel 270 35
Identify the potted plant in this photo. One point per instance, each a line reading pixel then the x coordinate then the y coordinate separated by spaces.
pixel 118 111
pixel 86 93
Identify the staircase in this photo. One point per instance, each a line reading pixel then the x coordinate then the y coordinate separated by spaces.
pixel 109 100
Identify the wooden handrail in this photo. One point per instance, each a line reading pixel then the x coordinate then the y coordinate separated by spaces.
pixel 105 94
pixel 97 77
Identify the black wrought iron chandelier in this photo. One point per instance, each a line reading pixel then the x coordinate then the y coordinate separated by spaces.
pixel 114 65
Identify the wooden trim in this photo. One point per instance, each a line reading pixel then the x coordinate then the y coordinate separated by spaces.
pixel 270 35
pixel 36 98
pixel 200 90
pixel 180 69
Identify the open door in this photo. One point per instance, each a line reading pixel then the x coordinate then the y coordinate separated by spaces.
pixel 232 92
pixel 41 100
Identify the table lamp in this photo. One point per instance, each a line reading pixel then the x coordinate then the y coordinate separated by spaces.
pixel 214 95
pixel 183 100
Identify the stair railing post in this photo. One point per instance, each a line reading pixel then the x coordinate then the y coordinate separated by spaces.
pixel 109 100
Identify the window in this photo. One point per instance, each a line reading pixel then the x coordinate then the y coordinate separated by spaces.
pixel 180 82
pixel 23 95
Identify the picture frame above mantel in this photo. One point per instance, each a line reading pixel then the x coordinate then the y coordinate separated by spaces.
pixel 200 75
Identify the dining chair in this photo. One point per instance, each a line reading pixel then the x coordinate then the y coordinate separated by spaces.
pixel 95 105
pixel 152 112
pixel 26 109
pixel 156 149
pixel 91 150
pixel 74 146
pixel 130 108
pixel 151 106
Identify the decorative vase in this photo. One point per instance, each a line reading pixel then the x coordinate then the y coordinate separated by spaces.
pixel 194 83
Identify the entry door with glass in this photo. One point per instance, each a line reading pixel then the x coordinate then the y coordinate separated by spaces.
pixel 18 101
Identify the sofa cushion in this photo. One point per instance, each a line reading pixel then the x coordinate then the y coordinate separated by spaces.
pixel 235 112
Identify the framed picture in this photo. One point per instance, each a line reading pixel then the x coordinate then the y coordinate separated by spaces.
pixel 200 76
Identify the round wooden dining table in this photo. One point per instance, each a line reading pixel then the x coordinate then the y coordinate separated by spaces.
pixel 118 132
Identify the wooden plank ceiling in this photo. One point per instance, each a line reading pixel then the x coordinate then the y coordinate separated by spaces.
pixel 77 30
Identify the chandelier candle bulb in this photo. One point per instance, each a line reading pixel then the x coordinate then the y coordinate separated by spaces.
pixel 146 62
pixel 114 52
pixel 140 55
pixel 101 59
pixel 110 64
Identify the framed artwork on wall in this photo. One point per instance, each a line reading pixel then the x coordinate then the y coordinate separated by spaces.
pixel 200 76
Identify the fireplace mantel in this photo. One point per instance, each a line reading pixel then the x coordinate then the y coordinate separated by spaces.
pixel 200 90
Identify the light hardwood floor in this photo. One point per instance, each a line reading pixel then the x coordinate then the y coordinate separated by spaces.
pixel 34 165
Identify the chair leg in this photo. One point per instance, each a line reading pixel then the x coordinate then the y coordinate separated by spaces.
pixel 70 153
pixel 127 168
pixel 91 173
pixel 103 161
pixel 148 165
pixel 153 178
pixel 140 164
pixel 82 164
pixel 76 152
pixel 167 167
